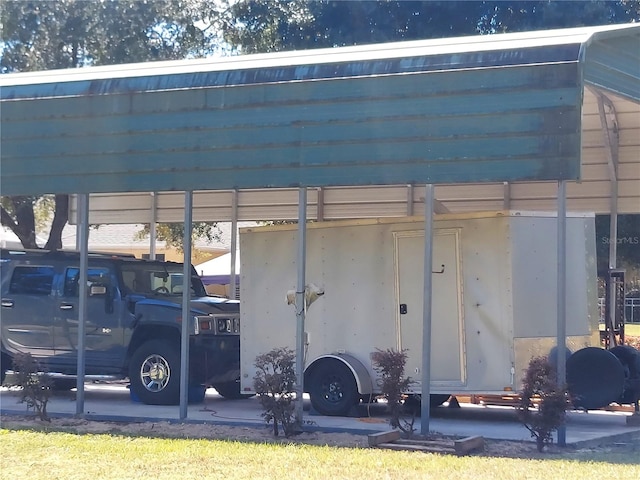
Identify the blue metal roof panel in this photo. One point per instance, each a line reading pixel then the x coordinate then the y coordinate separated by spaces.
pixel 291 73
pixel 432 112
pixel 613 64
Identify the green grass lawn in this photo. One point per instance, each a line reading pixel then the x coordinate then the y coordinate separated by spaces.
pixel 32 455
pixel 632 329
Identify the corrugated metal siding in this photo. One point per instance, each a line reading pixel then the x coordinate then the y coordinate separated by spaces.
pixel 517 123
pixel 591 194
pixel 613 63
pixel 506 108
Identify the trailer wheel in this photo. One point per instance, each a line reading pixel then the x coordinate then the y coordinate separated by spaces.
pixel 630 359
pixel 595 378
pixel 154 373
pixel 231 390
pixel 63 384
pixel 413 403
pixel 333 388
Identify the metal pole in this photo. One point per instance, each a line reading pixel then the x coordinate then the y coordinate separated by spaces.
pixel 426 312
pixel 300 303
pixel 152 226
pixel 83 240
pixel 186 310
pixel 561 357
pixel 608 121
pixel 234 245
pixel 613 259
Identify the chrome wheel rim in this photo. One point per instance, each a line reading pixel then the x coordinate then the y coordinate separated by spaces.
pixel 155 373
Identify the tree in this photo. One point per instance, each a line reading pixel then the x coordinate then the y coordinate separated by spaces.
pixel 267 25
pixel 173 233
pixel 45 35
pixel 20 214
pixel 628 243
pixel 520 16
pixel 272 25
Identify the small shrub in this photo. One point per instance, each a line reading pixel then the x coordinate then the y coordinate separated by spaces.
pixel 390 365
pixel 540 384
pixel 34 384
pixel 274 383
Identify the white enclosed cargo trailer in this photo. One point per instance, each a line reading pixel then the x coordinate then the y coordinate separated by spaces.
pixel 494 299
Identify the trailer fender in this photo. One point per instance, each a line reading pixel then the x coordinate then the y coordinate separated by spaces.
pixel 360 373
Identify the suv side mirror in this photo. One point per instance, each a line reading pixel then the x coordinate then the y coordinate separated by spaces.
pixel 97 289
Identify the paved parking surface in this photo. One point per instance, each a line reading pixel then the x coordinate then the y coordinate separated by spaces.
pixel 113 402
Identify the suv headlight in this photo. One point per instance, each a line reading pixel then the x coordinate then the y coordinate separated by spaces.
pixel 228 325
pixel 218 324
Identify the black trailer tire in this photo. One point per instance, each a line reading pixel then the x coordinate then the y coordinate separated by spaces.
pixel 413 403
pixel 437 399
pixel 63 384
pixel 333 388
pixel 231 391
pixel 630 359
pixel 154 373
pixel 595 378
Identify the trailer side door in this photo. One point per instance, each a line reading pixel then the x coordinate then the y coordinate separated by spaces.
pixel 447 331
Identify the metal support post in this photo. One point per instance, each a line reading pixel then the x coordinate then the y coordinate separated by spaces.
pixel 426 313
pixel 83 240
pixel 300 303
pixel 186 308
pixel 562 298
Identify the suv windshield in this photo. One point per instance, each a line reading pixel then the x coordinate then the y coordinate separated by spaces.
pixel 157 278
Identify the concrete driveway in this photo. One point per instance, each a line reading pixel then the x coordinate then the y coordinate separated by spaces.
pixel 112 402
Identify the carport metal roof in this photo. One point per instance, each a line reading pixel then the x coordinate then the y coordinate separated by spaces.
pixel 363 124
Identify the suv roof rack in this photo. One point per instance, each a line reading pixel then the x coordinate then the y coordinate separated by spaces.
pixel 19 251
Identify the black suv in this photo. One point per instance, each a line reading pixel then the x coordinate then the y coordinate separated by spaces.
pixel 133 325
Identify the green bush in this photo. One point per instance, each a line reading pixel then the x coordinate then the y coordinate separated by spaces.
pixel 390 366
pixel 274 383
pixel 541 387
pixel 35 385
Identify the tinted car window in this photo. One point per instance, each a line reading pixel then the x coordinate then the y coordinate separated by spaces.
pixel 31 280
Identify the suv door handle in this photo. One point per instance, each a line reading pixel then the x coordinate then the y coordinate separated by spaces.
pixel 7 303
pixel 66 306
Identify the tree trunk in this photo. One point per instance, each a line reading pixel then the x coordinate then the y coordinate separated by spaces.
pixel 59 221
pixel 24 225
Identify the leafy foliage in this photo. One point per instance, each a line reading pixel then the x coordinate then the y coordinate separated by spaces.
pixel 56 34
pixel 628 245
pixel 274 383
pixel 34 384
pixel 173 233
pixel 540 384
pixel 390 366
pixel 273 25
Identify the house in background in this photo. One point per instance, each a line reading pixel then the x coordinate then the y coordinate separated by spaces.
pixel 216 275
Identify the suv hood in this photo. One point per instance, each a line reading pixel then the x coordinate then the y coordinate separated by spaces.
pixel 199 305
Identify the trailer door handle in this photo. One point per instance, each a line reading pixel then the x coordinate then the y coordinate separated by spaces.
pixel 7 303
pixel 66 306
pixel 403 309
